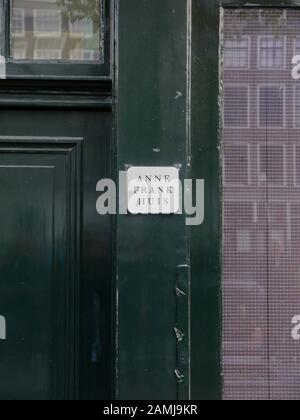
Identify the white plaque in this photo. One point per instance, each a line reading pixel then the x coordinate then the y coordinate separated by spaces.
pixel 153 190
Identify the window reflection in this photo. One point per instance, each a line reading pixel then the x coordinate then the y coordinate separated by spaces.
pixel 261 204
pixel 236 110
pixel 18 22
pixel 236 52
pixel 56 30
pixel 271 52
pixel 47 23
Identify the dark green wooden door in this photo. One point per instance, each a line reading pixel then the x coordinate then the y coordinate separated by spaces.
pixel 35 280
pixel 55 250
pixel 55 284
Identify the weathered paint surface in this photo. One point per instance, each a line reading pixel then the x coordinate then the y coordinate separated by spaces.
pixel 153 129
pixel 205 239
pixel 152 125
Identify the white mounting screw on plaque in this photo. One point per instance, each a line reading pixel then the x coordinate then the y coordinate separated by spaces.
pixel 153 190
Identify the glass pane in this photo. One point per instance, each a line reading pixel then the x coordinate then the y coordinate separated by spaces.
pixel 261 204
pixel 56 30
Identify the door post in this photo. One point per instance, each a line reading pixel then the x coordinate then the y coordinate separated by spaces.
pixel 152 129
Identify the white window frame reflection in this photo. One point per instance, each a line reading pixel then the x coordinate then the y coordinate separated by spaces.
pixel 254 287
pixel 275 127
pixel 19 54
pixel 296 168
pixel 248 169
pixel 21 18
pixel 259 54
pixel 296 51
pixel 283 16
pixel 296 106
pixel 289 228
pixel 238 67
pixel 43 54
pixel 285 227
pixel 247 88
pixel 77 54
pixel 243 247
pixel 20 50
pixel 263 183
pixel 74 33
pixel 43 34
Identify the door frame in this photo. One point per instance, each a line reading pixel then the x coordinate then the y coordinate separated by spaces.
pixel 71 147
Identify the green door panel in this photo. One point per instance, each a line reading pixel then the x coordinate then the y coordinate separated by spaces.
pixel 152 124
pixel 34 276
pixel 55 255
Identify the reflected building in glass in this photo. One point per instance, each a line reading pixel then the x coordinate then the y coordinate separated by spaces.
pixel 261 231
pixel 56 30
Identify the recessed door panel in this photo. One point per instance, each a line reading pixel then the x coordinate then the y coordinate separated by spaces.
pixel 55 255
pixel 35 280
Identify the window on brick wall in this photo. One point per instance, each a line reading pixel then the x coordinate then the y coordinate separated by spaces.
pixel 18 22
pixel 236 112
pixel 271 100
pixel 236 52
pixel 271 52
pixel 236 161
